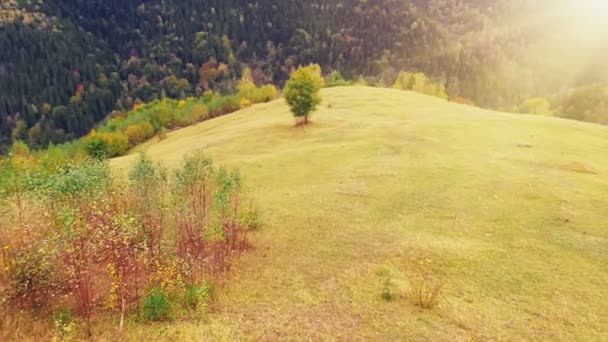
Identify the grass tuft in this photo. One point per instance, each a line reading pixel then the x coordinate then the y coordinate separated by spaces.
pixel 425 289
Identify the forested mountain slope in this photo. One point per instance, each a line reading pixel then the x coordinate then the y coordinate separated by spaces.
pixel 65 65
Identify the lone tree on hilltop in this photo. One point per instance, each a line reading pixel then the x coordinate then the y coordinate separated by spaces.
pixel 302 92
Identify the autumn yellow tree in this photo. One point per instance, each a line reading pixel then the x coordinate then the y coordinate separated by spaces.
pixel 302 92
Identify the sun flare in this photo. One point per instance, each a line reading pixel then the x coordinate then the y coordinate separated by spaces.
pixel 595 11
pixel 595 7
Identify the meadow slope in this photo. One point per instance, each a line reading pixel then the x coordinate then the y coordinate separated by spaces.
pixel 508 211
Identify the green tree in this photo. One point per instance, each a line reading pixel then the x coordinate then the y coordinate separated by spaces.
pixel 302 92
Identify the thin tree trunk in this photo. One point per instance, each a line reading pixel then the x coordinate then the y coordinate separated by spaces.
pixel 122 313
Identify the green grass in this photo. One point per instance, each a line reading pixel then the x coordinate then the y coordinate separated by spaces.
pixel 507 211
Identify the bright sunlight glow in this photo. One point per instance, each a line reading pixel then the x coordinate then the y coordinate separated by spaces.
pixel 596 7
pixel 593 10
pixel 586 19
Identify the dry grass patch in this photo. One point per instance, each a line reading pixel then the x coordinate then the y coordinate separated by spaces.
pixel 425 287
pixel 579 167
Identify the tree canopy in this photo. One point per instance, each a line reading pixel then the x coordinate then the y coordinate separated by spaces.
pixel 302 91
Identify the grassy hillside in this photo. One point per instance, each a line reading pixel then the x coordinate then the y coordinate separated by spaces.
pixel 507 211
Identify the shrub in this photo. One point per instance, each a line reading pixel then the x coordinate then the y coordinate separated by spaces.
pixel 162 113
pixel 199 112
pixel 187 115
pixel 406 80
pixel 258 95
pixel 246 86
pixel 587 103
pixel 208 96
pixel 27 269
pixel 81 221
pixel 335 79
pixel 156 306
pixel 223 105
pixel 139 133
pixel 420 83
pixel 245 102
pixel 147 183
pixel 96 147
pixel 101 145
pixel 250 94
pixel 55 158
pixel 192 196
pixel 269 92
pixel 250 219
pixel 302 91
pixel 69 231
pixel 197 296
pixel 21 154
pixel 142 123
pixel 264 94
pixel 388 291
pixel 63 322
pixel 206 210
pixel 425 289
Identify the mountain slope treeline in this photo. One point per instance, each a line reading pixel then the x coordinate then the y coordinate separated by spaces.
pixel 65 65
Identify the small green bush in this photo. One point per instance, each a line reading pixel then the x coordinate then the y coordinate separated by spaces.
pixel 101 145
pixel 264 94
pixel 420 83
pixel 197 296
pixel 250 218
pixel 208 96
pixel 188 114
pixel 223 105
pixel 335 79
pixel 63 322
pixel 388 291
pixel 157 306
pixel 29 273
pixel 96 147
